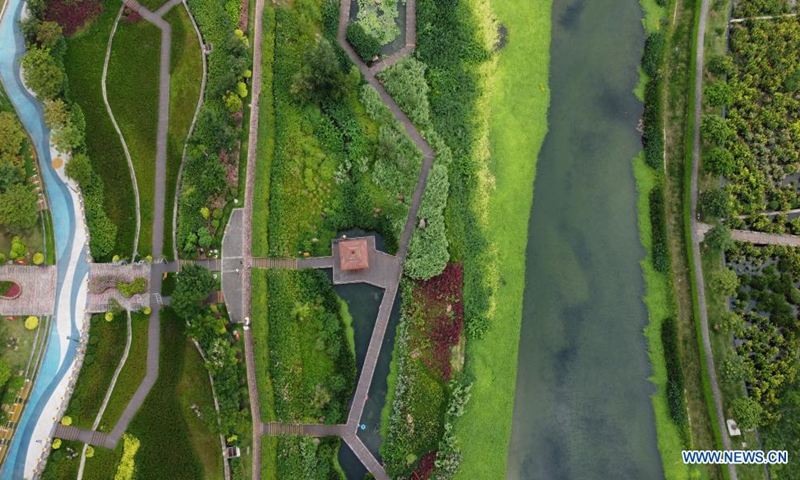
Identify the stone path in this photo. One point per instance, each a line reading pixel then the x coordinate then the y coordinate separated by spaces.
pixel 696 236
pixel 38 296
pixel 247 235
pixel 756 238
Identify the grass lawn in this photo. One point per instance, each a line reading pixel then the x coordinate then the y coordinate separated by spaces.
pixel 165 419
pixel 84 61
pixel 103 465
pixel 105 349
pixel 133 95
pixel 131 375
pixel 185 77
pixel 63 463
pixel 519 102
pixel 260 326
pixel 16 342
pixel 659 307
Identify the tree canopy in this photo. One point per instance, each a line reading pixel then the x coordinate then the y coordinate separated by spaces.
pixel 19 207
pixel 192 286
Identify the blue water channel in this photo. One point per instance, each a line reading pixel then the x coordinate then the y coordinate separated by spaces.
pixel 54 367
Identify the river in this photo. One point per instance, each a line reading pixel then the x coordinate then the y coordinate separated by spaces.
pixel 582 407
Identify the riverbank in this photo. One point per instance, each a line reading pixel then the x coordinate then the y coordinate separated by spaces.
pixel 517 103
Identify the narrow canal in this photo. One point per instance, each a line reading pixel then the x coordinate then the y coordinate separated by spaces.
pixel 582 407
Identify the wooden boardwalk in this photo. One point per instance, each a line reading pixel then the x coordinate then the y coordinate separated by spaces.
pixel 281 263
pixel 89 437
pixel 309 429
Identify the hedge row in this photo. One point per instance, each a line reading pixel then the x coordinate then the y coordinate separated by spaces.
pixel 658 222
pixel 652 137
pixel 367 46
pixel 675 386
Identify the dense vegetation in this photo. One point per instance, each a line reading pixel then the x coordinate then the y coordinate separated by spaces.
pixel 210 175
pixel 46 75
pixel 18 199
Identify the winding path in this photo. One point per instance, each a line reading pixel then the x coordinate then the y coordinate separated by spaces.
pixel 696 235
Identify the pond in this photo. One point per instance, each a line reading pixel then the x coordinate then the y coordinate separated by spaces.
pixel 582 406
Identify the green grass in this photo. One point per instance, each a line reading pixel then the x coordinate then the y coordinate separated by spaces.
pixel 132 82
pixel 660 307
pixel 103 465
pixel 59 467
pixel 185 77
pixel 172 443
pixel 518 110
pixel 103 353
pixel 131 375
pixel 194 389
pixel 18 356
pixel 84 62
pixel 260 329
pixel 50 238
pixel 266 138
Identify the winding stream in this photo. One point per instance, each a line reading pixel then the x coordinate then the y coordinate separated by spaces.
pixel 50 389
pixel 582 408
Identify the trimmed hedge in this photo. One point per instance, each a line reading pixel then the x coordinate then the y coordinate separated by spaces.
pixel 675 385
pixel 659 230
pixel 367 46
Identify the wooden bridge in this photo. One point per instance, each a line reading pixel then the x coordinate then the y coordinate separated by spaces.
pixel 90 437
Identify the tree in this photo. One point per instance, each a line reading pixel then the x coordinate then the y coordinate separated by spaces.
pixel 11 135
pixel 719 161
pixel 719 238
pixel 79 169
pixel 192 286
pixel 725 282
pixel 715 130
pixel 714 203
pixel 41 73
pixel 48 34
pixel 366 45
pixel 56 114
pixel 735 369
pixel 718 94
pixel 10 174
pixel 722 65
pixel 19 207
pixel 67 138
pixel 747 412
pixel 320 77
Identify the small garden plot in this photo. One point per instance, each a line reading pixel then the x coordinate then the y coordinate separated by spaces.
pixel 430 356
pixel 378 18
pixel 63 461
pixel 763 322
pixel 71 15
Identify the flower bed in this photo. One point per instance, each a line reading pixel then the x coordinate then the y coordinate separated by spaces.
pixel 9 290
pixel 70 15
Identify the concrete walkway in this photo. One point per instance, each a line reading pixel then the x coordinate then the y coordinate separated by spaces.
pixel 38 295
pixel 696 235
pixel 756 238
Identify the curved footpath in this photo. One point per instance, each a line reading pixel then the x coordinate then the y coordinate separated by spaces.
pixel 697 237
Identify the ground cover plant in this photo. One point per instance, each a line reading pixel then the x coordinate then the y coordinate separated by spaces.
pixel 132 85
pixel 80 124
pixel 132 373
pixel 103 353
pixel 63 461
pixel 185 79
pixel 336 164
pixel 429 387
pixel 210 175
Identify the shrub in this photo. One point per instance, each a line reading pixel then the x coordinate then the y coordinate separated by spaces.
pixel 715 130
pixel 41 73
pixel 66 420
pixel 31 323
pixel 715 203
pixel 18 249
pixel 405 81
pixel 38 258
pixel 56 444
pixel 137 286
pixel 676 399
pixel 653 54
pixel 719 161
pixel 109 316
pixel 747 412
pixel 719 238
pixel 11 135
pixel 192 286
pixel 366 46
pixel 127 465
pixel 19 207
pixel 89 451
pixel 718 94
pixel 659 230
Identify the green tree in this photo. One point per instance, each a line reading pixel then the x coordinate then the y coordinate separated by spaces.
pixel 715 203
pixel 192 286
pixel 10 174
pixel 735 369
pixel 80 169
pixel 718 94
pixel 56 114
pixel 719 238
pixel 320 77
pixel 67 138
pixel 41 73
pixel 725 282
pixel 715 130
pixel 11 135
pixel 722 65
pixel 719 161
pixel 19 207
pixel 48 34
pixel 747 412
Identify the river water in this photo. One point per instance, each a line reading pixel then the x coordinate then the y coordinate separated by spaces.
pixel 582 408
